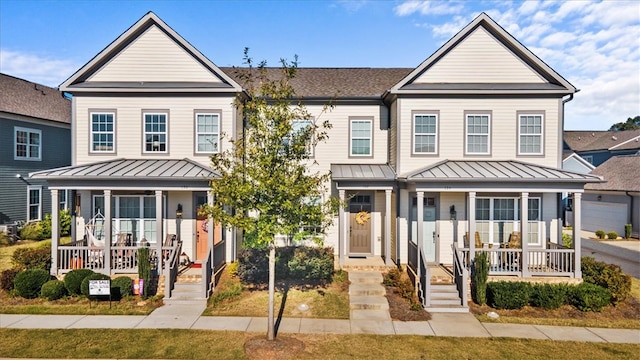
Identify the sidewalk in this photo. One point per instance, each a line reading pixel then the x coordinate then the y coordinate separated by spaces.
pixel 442 324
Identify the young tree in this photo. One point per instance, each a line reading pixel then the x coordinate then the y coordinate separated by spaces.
pixel 265 186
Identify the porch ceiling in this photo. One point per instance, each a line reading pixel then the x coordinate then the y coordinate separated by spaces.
pixel 497 171
pixel 130 169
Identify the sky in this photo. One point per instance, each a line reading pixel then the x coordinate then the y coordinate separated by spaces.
pixel 595 45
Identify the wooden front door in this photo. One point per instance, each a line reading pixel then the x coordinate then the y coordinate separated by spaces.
pixel 360 221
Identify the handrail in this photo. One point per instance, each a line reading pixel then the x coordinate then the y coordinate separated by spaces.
pixel 171 267
pixel 206 273
pixel 461 275
pixel 424 281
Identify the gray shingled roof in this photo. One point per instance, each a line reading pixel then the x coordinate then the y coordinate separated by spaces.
pixel 128 169
pixel 510 171
pixel 601 140
pixel 622 173
pixel 369 172
pixel 335 82
pixel 26 98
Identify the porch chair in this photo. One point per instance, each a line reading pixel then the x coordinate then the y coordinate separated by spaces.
pixel 168 242
pixel 124 258
pixel 477 240
pixel 512 260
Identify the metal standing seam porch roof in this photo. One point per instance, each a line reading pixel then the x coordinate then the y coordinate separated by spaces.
pixel 367 172
pixel 501 171
pixel 130 169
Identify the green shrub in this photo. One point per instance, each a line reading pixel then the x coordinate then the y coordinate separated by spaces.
pixel 589 297
pixel 28 283
pixel 232 290
pixel 73 280
pixel 406 289
pixel 144 269
pixel 6 278
pixel 567 240
pixel 121 287
pixel 5 240
pixel 84 286
pixel 32 231
pixel 508 295
pixel 232 269
pixel 253 265
pixel 600 234
pixel 32 258
pixel 608 276
pixel 53 290
pixel 627 231
pixel 65 224
pixel 612 235
pixel 549 296
pixel 311 264
pixel 479 277
pixel 392 277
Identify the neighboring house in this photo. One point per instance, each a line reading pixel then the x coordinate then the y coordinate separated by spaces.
pixel 470 141
pixel 610 205
pixel 597 147
pixel 34 135
pixel 572 162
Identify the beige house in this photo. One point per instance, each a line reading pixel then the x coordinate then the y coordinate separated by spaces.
pixel 469 142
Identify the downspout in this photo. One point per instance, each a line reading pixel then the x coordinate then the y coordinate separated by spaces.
pixel 630 210
pixel 560 207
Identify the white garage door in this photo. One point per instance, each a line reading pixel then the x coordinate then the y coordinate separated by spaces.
pixel 605 216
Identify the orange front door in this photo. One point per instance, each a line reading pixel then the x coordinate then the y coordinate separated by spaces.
pixel 202 234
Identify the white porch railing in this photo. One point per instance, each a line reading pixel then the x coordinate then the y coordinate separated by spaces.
pixel 554 261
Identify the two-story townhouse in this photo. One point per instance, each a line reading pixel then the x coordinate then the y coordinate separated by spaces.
pixel 34 135
pixel 469 142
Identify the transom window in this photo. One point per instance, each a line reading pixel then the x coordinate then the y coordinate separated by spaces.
pixel 478 133
pixel 530 134
pixel 34 203
pixel 155 132
pixel 27 144
pixel 207 133
pixel 102 132
pixel 425 130
pixel 497 218
pixel 360 142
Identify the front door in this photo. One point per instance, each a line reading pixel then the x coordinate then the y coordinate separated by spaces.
pixel 360 225
pixel 428 227
pixel 202 229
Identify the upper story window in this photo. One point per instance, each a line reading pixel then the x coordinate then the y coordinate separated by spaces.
pixel 207 133
pixel 588 158
pixel 298 126
pixel 478 128
pixel 155 132
pixel 425 133
pixel 360 137
pixel 27 144
pixel 103 132
pixel 530 134
pixel 34 205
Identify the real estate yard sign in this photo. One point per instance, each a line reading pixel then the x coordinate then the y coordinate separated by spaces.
pixel 100 288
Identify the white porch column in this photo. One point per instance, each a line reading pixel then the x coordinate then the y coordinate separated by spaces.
pixel 420 230
pixel 159 235
pixel 472 225
pixel 387 228
pixel 108 231
pixel 577 231
pixel 55 230
pixel 524 232
pixel 342 227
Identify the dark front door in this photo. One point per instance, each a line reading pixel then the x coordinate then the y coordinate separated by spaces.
pixel 360 225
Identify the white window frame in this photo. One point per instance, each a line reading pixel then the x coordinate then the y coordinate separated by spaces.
pixel 29 131
pixel 216 145
pixel 416 134
pixel 140 220
pixel 588 158
pixel 63 196
pixel 369 138
pixel 522 135
pixel 516 219
pixel 468 134
pixel 92 142
pixel 38 204
pixel 145 133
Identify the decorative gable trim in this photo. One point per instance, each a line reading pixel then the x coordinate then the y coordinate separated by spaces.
pixel 556 83
pixel 78 82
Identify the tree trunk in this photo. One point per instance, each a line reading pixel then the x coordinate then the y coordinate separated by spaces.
pixel 272 284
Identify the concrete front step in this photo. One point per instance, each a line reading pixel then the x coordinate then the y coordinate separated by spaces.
pixel 191 301
pixel 437 302
pixel 364 277
pixel 363 289
pixel 368 303
pixel 370 315
pixel 447 309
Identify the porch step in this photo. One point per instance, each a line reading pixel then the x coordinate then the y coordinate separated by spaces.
pixel 368 303
pixel 445 298
pixel 360 289
pixel 367 299
pixel 365 277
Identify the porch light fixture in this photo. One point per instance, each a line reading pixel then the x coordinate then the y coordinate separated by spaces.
pixel 179 211
pixel 452 212
pixel 19 177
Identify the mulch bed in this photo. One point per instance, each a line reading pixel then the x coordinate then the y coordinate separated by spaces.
pixel 283 347
pixel 400 308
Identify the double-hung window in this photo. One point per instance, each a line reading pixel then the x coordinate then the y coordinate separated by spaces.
pixel 497 218
pixel 103 132
pixel 478 128
pixel 361 137
pixel 530 134
pixel 297 129
pixel 155 132
pixel 34 202
pixel 425 133
pixel 27 144
pixel 207 133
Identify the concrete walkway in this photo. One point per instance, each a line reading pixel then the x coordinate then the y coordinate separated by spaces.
pixel 442 324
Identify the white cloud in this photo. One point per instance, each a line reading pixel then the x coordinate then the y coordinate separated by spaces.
pixel 352 6
pixel 428 7
pixel 44 70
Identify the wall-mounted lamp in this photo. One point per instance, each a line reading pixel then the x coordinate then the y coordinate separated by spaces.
pixel 179 211
pixel 452 212
pixel 18 176
pixel 599 197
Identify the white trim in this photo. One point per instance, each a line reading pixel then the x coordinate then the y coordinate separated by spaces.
pixel 351 138
pixel 515 222
pixel 367 187
pixel 580 160
pixel 467 134
pixel 112 132
pixel 39 204
pixel 165 132
pixel 540 135
pixel 635 138
pixel 415 134
pixel 588 159
pixel 216 147
pixel 140 220
pixel 29 131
